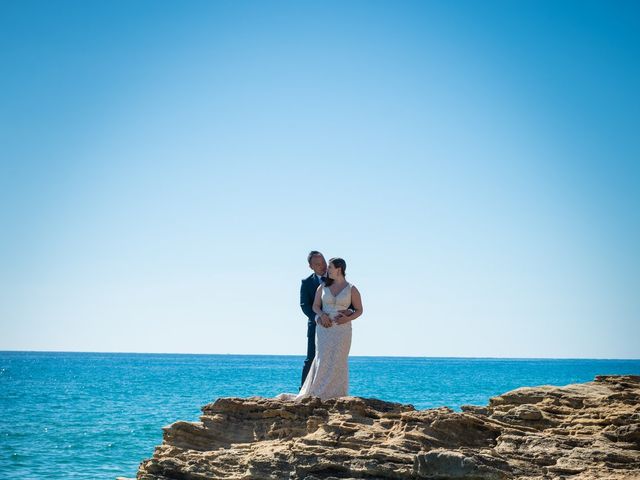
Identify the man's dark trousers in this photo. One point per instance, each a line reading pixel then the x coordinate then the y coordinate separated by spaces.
pixel 307 295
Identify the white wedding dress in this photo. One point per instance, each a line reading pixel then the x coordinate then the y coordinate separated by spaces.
pixel 329 373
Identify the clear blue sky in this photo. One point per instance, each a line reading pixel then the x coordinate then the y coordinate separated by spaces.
pixel 166 167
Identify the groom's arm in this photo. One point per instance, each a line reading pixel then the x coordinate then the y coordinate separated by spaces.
pixel 348 312
pixel 306 302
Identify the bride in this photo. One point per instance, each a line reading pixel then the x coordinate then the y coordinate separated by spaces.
pixel 329 373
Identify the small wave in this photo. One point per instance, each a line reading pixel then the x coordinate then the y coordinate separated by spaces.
pixel 18 457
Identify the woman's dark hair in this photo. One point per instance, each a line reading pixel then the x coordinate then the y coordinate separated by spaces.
pixel 337 263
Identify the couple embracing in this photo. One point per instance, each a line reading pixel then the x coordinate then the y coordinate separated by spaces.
pixel 331 304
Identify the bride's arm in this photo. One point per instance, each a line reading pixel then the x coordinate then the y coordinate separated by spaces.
pixel 317 306
pixel 356 301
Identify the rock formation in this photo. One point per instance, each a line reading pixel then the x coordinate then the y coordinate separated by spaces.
pixel 579 431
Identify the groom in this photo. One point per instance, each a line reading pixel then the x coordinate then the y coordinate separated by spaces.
pixel 318 264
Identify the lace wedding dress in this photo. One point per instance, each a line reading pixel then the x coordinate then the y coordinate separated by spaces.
pixel 329 373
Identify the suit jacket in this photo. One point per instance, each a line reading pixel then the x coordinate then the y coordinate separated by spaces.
pixel 307 295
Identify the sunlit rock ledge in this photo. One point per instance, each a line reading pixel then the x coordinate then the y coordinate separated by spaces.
pixel 580 431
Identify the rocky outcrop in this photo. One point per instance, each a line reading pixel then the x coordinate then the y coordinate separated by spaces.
pixel 580 431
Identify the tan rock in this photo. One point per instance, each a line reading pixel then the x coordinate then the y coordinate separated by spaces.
pixel 580 431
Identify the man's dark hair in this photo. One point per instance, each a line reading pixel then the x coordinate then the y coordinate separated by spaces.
pixel 312 253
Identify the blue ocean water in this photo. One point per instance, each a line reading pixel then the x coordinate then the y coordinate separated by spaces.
pixel 97 415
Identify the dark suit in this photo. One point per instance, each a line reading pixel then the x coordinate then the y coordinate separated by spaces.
pixel 307 295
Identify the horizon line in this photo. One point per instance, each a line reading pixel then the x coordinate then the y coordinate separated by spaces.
pixel 302 355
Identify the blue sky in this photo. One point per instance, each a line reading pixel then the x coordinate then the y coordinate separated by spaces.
pixel 166 167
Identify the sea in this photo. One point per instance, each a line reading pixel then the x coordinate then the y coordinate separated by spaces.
pixel 76 415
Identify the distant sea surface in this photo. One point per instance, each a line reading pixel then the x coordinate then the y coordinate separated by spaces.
pixel 97 415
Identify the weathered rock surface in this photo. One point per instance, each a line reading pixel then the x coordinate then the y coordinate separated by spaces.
pixel 580 431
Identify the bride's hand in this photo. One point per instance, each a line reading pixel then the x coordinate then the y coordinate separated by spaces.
pixel 325 321
pixel 341 320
